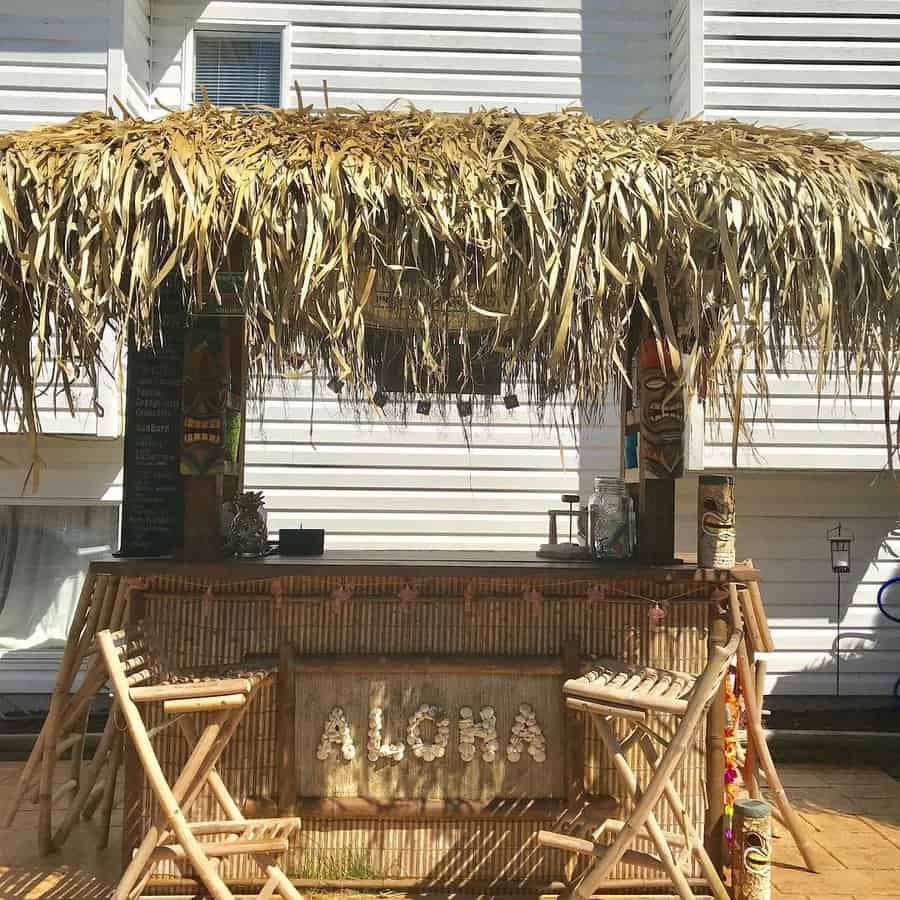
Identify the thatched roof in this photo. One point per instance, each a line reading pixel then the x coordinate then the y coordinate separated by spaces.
pixel 534 236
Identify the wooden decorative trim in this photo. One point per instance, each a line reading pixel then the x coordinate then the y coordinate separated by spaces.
pixel 431 664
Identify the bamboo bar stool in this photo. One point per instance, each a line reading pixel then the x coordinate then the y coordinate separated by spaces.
pixel 616 690
pixel 220 698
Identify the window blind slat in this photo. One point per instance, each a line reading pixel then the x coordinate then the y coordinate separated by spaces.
pixel 238 69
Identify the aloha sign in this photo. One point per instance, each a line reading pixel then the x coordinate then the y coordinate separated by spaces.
pixel 428 736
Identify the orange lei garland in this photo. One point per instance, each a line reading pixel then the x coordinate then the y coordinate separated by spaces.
pixel 733 716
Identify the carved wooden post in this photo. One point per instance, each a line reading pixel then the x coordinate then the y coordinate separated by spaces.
pixel 213 420
pixel 661 458
pixel 715 522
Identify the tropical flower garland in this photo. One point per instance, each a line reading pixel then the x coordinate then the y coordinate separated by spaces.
pixel 733 717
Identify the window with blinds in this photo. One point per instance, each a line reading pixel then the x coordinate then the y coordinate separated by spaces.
pixel 238 69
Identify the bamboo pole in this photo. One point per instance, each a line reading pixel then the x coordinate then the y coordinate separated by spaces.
pixel 714 831
pixel 70 662
pixel 36 757
pixel 754 632
pixel 109 791
pixel 756 734
pixel 768 643
pixel 87 784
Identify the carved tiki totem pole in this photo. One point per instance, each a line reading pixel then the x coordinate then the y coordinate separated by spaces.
pixel 715 522
pixel 662 410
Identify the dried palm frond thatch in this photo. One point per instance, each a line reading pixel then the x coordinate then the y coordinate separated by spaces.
pixel 536 238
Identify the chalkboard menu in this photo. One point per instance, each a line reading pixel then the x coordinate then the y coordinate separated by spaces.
pixel 153 501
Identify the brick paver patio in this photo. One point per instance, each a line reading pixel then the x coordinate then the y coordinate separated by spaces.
pixel 854 812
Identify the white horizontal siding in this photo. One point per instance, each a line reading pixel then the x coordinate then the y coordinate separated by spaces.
pixel 781 525
pixel 85 411
pixel 53 59
pixel 828 65
pixel 380 483
pixel 609 55
pixel 136 28
pixel 685 58
pixel 75 470
pixel 798 431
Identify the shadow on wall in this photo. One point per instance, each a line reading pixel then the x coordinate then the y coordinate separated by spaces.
pixel 782 520
pixel 864 651
pixel 624 59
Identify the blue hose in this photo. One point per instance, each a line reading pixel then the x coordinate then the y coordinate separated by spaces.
pixel 880 601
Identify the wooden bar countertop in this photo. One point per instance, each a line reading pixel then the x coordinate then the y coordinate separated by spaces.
pixel 426 563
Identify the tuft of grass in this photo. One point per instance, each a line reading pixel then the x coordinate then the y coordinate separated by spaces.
pixel 336 866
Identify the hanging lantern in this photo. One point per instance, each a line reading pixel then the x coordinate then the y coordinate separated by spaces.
pixel 840 541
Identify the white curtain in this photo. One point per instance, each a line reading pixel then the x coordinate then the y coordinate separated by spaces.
pixel 45 552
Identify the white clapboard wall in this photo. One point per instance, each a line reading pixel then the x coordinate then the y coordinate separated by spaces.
pixel 136 40
pixel 372 481
pixel 797 430
pixel 781 524
pixel 685 58
pixel 813 63
pixel 532 55
pixel 53 60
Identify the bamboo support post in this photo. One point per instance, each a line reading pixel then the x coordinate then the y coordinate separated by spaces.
pixel 754 633
pixel 78 747
pixel 96 795
pixel 768 644
pixel 109 790
pixel 65 788
pixel 757 736
pixel 47 753
pixel 751 761
pixel 285 734
pixel 714 836
pixel 91 776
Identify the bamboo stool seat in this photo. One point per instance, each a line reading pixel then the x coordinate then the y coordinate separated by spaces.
pixel 613 691
pixel 614 682
pixel 220 696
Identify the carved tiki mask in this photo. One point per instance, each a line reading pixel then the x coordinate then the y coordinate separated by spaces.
pixel 662 411
pixel 206 384
pixel 715 522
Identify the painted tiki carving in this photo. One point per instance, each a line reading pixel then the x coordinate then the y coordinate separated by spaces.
pixel 751 851
pixel 715 522
pixel 207 444
pixel 662 411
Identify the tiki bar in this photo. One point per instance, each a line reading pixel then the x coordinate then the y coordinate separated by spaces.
pixel 285 718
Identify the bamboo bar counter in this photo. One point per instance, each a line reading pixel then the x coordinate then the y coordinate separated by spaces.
pixel 390 730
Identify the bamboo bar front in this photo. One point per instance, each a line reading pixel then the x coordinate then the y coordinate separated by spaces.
pixel 455 633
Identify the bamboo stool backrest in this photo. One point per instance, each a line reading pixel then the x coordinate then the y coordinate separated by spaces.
pixel 136 656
